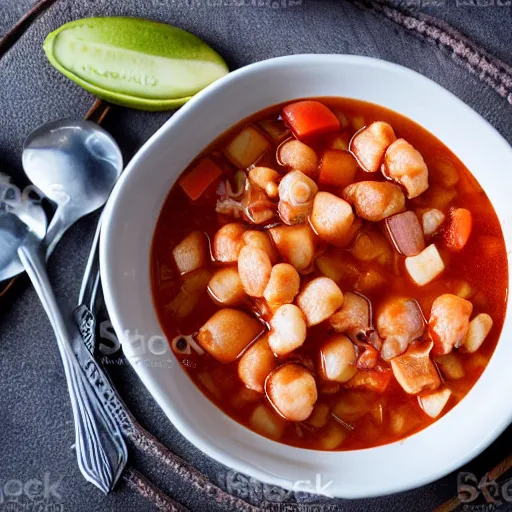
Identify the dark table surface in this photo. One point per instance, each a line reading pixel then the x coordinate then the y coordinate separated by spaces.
pixel 36 429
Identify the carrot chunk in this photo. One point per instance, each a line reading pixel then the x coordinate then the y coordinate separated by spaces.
pixel 337 169
pixel 309 118
pixel 195 182
pixel 459 228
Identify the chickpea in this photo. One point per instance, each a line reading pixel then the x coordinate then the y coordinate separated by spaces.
pixel 299 157
pixel 338 359
pixel 261 240
pixel 228 242
pixel 319 299
pixel 288 329
pixel 370 144
pixel 225 287
pixel 256 364
pixel 254 268
pixel 283 285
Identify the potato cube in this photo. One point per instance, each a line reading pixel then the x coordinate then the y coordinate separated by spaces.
pixel 372 246
pixel 433 403
pixel 337 359
pixel 247 147
pixel 225 287
pixel 353 405
pixel 206 380
pixel 444 172
pixel 337 169
pixel 450 365
pixel 267 423
pixel 403 419
pixel 338 266
pixel 320 416
pixel 256 364
pixel 275 129
pixel 414 370
pixel 228 242
pixel 371 280
pixel 295 244
pixel 332 435
pixel 478 330
pixel 320 299
pixel 426 266
pixel 191 253
pixel 226 334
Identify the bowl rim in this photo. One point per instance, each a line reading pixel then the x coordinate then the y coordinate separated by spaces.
pixel 108 277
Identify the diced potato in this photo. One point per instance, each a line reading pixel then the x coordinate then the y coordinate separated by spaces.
pixel 296 194
pixel 414 370
pixel 320 299
pixel 444 172
pixel 288 329
pixel 371 280
pixel 275 128
pixel 225 287
pixel 477 362
pixel 320 416
pixel 403 419
pixel 267 422
pixel 261 240
pixel 195 283
pixel 247 147
pixel 425 266
pixel 244 397
pixel 193 286
pixel 337 359
pixel 256 364
pixel 340 142
pixel 375 200
pixel 461 288
pixel 405 232
pixel 332 218
pixel 342 118
pixel 449 322
pixel 353 405
pixel 354 316
pixel 450 365
pixel 228 242
pixel 436 197
pixel 227 333
pixel 433 403
pixel 399 322
pixel 292 391
pixel 328 388
pixel 357 122
pixel 478 330
pixel 191 253
pixel 283 285
pixel 405 165
pixel 254 268
pixel 205 379
pixel 337 169
pixel 370 145
pixel 295 244
pixel 371 380
pixel 431 220
pixel 338 266
pixel 372 246
pixel 265 178
pixel 298 156
pixel 332 435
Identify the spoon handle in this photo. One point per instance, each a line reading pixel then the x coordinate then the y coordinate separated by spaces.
pixel 101 450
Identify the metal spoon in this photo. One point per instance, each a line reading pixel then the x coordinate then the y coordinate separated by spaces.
pixel 101 450
pixel 75 164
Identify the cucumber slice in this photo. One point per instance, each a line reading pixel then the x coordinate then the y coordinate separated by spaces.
pixel 132 62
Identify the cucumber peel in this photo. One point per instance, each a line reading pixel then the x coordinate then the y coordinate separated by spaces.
pixel 133 62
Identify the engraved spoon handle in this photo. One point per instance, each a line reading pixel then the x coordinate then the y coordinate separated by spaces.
pixel 101 450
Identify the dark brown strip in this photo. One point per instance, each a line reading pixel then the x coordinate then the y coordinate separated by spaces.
pixel 493 72
pixel 98 111
pixel 148 490
pixel 149 445
pixel 9 39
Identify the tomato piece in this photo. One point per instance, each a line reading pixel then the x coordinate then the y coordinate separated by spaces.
pixel 459 228
pixel 195 182
pixel 309 118
pixel 337 169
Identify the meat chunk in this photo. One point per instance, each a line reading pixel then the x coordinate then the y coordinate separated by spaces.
pixel 449 322
pixel 414 370
pixel 333 219
pixel 319 299
pixel 226 334
pixel 291 389
pixel 288 329
pixel 405 165
pixel 337 359
pixel 191 253
pixel 353 318
pixel 254 268
pixel 267 422
pixel 283 285
pixel 295 244
pixel 375 200
pixel 228 242
pixel 370 144
pixel 256 364
pixel 296 195
pixel 399 322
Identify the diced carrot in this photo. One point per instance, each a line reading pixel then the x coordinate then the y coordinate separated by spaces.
pixel 309 118
pixel 337 169
pixel 195 182
pixel 459 228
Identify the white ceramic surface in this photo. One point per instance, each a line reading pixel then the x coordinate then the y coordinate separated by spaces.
pixel 130 219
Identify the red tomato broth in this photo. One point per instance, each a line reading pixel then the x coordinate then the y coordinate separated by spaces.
pixel 482 263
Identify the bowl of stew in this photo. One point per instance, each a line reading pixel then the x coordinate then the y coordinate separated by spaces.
pixel 307 267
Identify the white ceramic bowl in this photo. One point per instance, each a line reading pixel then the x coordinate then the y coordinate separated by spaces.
pixel 130 218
